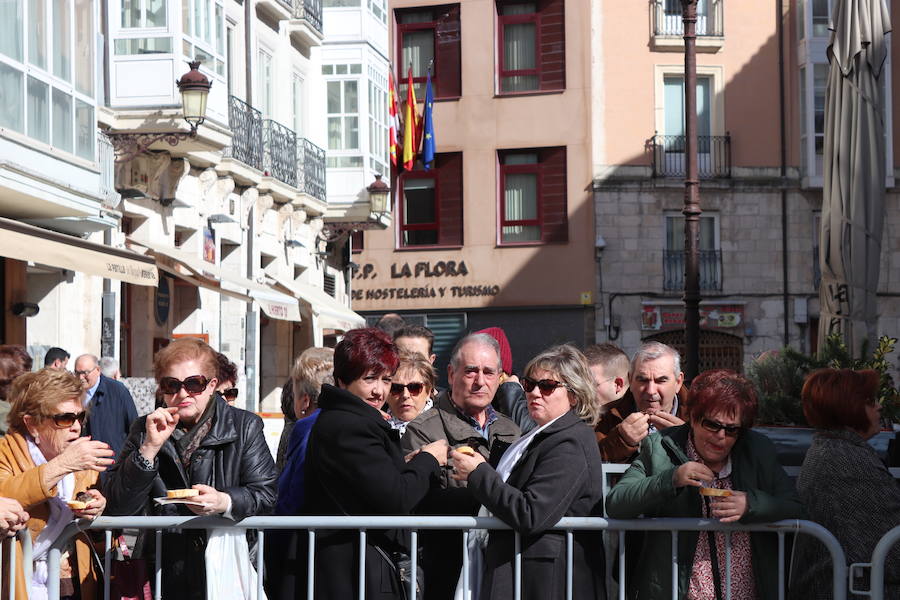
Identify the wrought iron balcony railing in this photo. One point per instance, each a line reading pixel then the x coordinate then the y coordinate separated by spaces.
pixel 713 156
pixel 667 18
pixel 279 152
pixel 311 169
pixel 247 131
pixel 710 270
pixel 308 10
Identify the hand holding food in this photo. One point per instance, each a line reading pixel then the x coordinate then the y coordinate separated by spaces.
pixel 209 501
pixel 88 504
pixel 634 428
pixel 160 425
pixel 463 464
pixel 182 493
pixel 467 450
pixel 730 508
pixel 662 420
pixel 692 473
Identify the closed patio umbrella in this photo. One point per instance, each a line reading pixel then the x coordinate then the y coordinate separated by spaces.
pixel 854 171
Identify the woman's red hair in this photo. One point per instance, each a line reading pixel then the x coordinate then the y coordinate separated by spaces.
pixel 364 350
pixel 721 390
pixel 837 398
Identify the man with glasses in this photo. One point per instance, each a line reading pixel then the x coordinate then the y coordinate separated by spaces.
pixel 108 402
pixel 655 399
pixel 461 415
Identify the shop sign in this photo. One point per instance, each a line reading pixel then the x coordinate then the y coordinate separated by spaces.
pixel 655 317
pixel 443 271
pixel 162 301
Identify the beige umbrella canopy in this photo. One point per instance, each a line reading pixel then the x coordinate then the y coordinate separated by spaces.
pixel 854 171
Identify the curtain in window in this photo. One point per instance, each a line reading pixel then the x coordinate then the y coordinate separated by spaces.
pixel 11 28
pixel 62 41
pixel 418 51
pixel 11 98
pixel 37 33
pixel 674 113
pixel 520 204
pixel 519 53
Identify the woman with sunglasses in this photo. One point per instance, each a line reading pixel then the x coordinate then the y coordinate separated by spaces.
pixel 671 477
pixel 411 389
pixel 226 373
pixel 843 483
pixel 551 472
pixel 45 463
pixel 197 440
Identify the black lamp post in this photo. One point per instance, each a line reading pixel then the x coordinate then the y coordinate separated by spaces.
pixel 194 87
pixel 691 210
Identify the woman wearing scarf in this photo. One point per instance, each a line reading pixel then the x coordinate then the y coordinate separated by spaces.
pixel 44 463
pixel 411 388
pixel 551 472
pixel 197 440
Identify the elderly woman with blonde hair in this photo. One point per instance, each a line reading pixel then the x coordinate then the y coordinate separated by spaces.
pixel 551 472
pixel 48 467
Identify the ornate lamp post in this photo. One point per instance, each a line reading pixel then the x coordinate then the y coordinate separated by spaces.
pixel 194 87
pixel 379 196
pixel 691 210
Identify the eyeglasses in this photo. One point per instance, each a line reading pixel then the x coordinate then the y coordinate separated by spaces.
pixel 192 385
pixel 545 385
pixel 716 427
pixel 65 420
pixel 86 372
pixel 230 393
pixel 415 388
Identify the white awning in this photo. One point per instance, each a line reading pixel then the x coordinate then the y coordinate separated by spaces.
pixel 331 313
pixel 196 270
pixel 29 243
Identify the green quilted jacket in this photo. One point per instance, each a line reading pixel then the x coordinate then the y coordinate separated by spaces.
pixel 646 489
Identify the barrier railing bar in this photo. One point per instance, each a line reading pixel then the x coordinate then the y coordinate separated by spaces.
pixel 158 565
pixel 12 569
pixel 362 564
pixel 728 565
pixel 674 565
pixel 518 569
pixel 467 594
pixel 851 574
pixel 107 563
pixel 413 562
pixel 53 558
pixel 260 546
pixel 781 565
pixel 621 564
pixel 570 558
pixel 310 563
pixel 27 552
pixel 879 555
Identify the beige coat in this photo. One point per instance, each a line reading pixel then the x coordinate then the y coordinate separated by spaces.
pixel 21 480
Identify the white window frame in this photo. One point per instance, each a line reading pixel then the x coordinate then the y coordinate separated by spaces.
pixel 266 97
pixel 377 130
pixel 298 103
pixel 361 90
pixel 716 75
pixel 216 46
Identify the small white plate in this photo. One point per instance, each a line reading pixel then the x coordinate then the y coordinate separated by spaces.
pixel 164 500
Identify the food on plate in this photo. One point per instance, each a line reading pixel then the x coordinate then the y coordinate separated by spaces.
pixel 185 493
pixel 711 491
pixel 466 450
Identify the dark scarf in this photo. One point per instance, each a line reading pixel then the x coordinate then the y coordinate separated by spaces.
pixel 188 440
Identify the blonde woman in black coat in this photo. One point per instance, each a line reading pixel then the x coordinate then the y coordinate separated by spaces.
pixel 554 471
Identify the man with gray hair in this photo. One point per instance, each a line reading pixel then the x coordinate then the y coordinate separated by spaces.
pixel 109 367
pixel 462 415
pixel 655 398
pixel 109 405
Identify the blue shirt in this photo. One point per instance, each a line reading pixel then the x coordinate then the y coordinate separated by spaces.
pixel 483 431
pixel 292 479
pixel 89 395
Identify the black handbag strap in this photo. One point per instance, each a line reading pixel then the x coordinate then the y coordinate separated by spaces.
pixel 713 554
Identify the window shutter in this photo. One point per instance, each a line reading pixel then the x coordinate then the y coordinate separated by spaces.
pixel 447 54
pixel 553 44
pixel 450 201
pixel 554 220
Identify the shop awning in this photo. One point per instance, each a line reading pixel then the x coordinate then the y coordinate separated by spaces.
pixel 273 303
pixel 29 243
pixel 331 313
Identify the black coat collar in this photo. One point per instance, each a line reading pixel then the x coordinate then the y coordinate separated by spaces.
pixel 335 398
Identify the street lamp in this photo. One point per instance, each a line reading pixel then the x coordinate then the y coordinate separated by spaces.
pixel 194 87
pixel 379 196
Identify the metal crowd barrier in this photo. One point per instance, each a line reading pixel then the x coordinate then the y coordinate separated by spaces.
pixel 415 524
pixel 879 556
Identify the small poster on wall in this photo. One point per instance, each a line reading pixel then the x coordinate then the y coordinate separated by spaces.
pixel 209 245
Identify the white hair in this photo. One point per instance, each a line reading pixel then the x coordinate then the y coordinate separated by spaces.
pixel 654 350
pixel 108 366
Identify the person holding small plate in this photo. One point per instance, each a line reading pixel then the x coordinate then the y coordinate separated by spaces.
pixel 715 449
pixel 46 464
pixel 198 441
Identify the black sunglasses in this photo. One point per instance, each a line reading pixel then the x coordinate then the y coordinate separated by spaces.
pixel 545 385
pixel 64 420
pixel 716 427
pixel 230 393
pixel 414 388
pixel 193 384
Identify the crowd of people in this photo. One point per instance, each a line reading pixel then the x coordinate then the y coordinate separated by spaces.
pixel 369 432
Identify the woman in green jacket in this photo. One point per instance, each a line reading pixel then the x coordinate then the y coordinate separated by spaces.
pixel 715 449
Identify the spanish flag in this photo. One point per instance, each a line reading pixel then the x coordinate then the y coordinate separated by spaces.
pixel 410 125
pixel 394 117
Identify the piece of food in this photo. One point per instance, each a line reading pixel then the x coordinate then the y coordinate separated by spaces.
pixel 187 493
pixel 708 491
pixel 80 501
pixel 466 450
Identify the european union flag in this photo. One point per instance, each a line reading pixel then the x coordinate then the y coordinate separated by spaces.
pixel 428 143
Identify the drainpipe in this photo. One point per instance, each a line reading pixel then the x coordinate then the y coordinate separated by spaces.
pixel 248 51
pixel 104 27
pixel 783 173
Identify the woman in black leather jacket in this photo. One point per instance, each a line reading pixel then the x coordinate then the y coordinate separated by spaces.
pixel 197 440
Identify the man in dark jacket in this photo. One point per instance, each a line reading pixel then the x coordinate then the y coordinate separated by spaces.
pixel 108 403
pixel 654 401
pixel 461 415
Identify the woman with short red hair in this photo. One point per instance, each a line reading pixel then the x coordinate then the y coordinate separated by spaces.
pixel 843 483
pixel 714 466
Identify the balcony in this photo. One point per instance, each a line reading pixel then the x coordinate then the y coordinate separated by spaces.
pixel 668 28
pixel 713 156
pixel 277 151
pixel 710 270
pixel 305 25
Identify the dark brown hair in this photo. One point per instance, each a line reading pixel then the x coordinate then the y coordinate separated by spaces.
pixel 837 398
